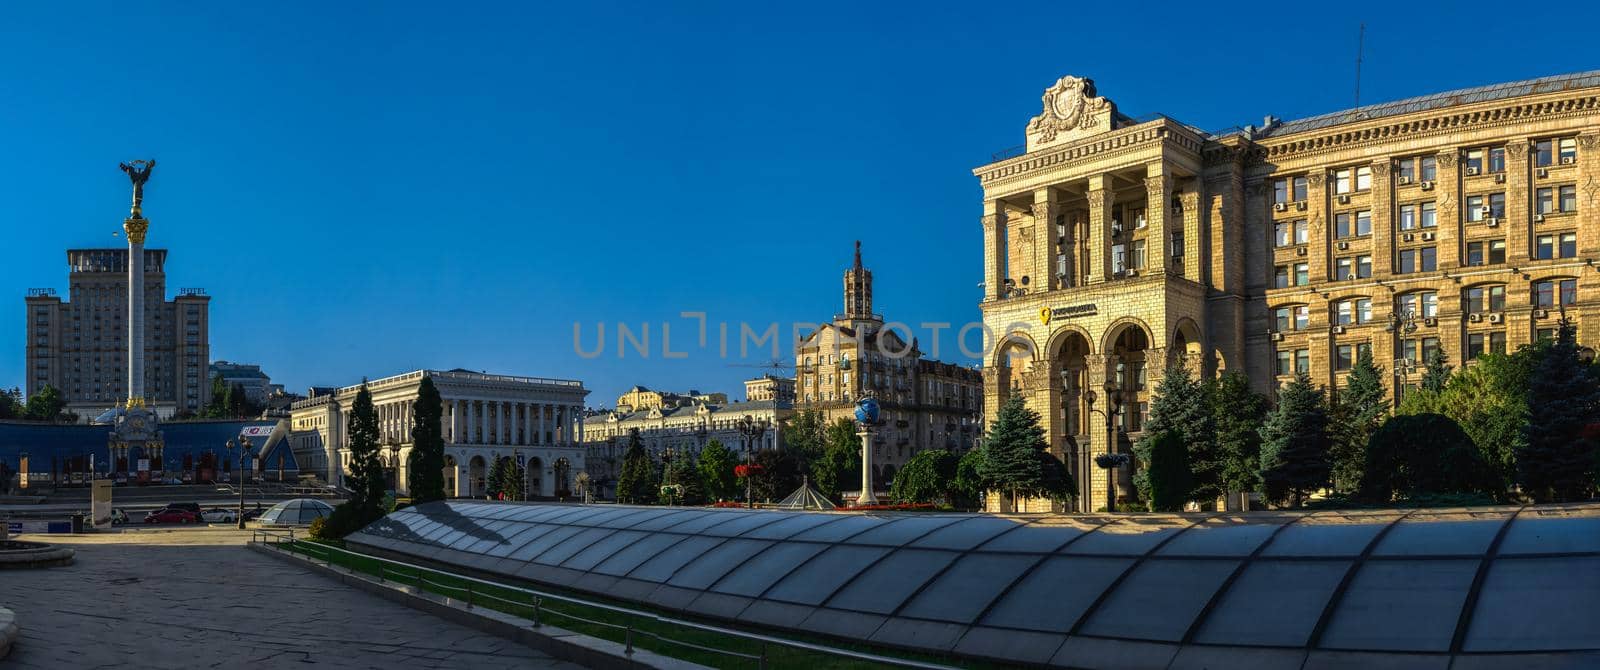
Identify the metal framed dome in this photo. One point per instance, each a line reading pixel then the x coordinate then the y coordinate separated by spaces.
pixel 1476 588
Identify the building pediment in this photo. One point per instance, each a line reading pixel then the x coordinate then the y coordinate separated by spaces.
pixel 1071 111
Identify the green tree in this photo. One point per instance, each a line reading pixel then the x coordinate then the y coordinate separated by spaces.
pixel 638 484
pixel 427 445
pixel 1294 443
pixel 506 479
pixel 1169 474
pixel 11 405
pixel 1016 457
pixel 685 474
pixel 1421 454
pixel 1182 405
pixel 1489 401
pixel 1356 414
pixel 969 486
pixel 1558 459
pixel 1437 373
pixel 365 479
pixel 1238 413
pixel 840 465
pixel 929 477
pixel 46 405
pixel 716 471
pixel 238 402
pixel 216 406
pixel 778 474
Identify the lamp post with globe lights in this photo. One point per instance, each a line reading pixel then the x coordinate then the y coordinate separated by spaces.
pixel 753 431
pixel 244 456
pixel 1110 460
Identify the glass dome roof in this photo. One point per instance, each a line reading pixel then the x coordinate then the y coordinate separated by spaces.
pixel 297 512
pixel 1479 588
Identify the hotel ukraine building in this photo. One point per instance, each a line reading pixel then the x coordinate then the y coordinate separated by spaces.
pixel 1463 221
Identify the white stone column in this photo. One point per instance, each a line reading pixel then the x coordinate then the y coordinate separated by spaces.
pixel 867 497
pixel 516 424
pixel 483 422
pixel 135 228
pixel 542 425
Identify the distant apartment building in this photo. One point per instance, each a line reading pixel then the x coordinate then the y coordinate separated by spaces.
pixel 79 345
pixel 257 386
pixel 683 427
pixel 768 387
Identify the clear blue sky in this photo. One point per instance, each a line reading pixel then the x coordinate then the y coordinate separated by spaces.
pixel 368 188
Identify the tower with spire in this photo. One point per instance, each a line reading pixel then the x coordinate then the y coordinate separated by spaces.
pixel 858 293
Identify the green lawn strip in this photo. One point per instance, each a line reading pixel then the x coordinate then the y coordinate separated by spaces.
pixel 556 613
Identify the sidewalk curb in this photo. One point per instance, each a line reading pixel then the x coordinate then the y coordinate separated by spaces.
pixel 559 643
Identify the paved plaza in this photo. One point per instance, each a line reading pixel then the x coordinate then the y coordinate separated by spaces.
pixel 195 598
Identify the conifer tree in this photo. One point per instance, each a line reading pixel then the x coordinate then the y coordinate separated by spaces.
pixel 365 479
pixel 1294 443
pixel 1238 413
pixel 638 484
pixel 1437 372
pixel 427 445
pixel 1358 411
pixel 1168 472
pixel 1557 461
pixel 1182 406
pixel 685 474
pixel 716 472
pixel 1016 456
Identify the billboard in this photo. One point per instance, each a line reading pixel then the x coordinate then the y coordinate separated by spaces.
pixel 100 504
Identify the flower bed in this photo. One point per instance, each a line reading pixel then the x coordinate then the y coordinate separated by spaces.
pixel 904 507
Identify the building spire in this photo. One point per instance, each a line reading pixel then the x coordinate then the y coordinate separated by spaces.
pixel 858 291
pixel 858 255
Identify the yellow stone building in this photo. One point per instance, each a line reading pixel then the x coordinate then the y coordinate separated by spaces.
pixel 1114 246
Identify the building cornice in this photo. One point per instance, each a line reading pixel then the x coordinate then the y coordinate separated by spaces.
pixel 1099 147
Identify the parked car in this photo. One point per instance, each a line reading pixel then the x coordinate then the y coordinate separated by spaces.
pixel 251 514
pixel 219 515
pixel 170 515
pixel 118 517
pixel 191 507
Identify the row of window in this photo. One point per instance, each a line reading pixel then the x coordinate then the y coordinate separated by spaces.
pixel 1416 351
pixel 1477 160
pixel 1425 304
pixel 1426 259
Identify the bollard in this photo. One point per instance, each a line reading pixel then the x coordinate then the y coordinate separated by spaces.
pixel 762 662
pixel 536 601
pixel 628 641
pixel 469 595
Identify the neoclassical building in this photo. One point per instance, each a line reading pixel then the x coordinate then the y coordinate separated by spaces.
pixel 537 422
pixel 926 404
pixel 1462 221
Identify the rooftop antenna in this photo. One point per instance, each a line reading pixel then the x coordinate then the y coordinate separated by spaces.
pixel 1361 38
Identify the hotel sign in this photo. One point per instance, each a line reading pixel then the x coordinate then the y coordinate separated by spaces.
pixel 1046 314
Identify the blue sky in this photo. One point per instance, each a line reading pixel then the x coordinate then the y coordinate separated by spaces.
pixel 369 188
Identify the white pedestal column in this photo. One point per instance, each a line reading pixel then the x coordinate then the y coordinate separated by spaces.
pixel 867 497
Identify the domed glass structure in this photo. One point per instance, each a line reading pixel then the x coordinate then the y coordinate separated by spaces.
pixel 1478 588
pixel 297 512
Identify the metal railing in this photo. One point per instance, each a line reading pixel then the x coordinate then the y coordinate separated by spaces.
pixel 471 589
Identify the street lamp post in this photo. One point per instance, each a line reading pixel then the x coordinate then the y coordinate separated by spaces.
pixel 1402 324
pixel 244 453
pixel 1110 460
pixel 753 431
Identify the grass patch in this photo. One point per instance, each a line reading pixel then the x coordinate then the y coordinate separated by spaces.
pixel 610 625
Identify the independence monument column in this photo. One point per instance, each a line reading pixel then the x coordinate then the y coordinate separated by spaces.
pixel 137 424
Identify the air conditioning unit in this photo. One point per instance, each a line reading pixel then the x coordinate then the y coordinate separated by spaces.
pixel 1491 222
pixel 1350 277
pixel 1280 207
pixel 1500 178
pixel 1472 172
pixel 1494 318
pixel 1485 210
pixel 1430 321
pixel 1408 237
pixel 1542 172
pixel 1474 317
pixel 1404 180
pixel 1277 336
pixel 1538 218
pixel 1344 199
pixel 1300 252
pixel 1300 205
pixel 1540 313
pixel 1131 273
pixel 1338 330
pixel 1568 160
pixel 1427 237
pixel 1344 245
pixel 1427 185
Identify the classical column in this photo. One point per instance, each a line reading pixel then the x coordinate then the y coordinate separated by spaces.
pixel 1101 199
pixel 867 497
pixel 1047 240
pixel 1319 220
pixel 1157 184
pixel 1382 209
pixel 1447 213
pixel 1092 487
pixel 484 429
pixel 993 282
pixel 135 227
pixel 516 424
pixel 1192 248
pixel 1519 223
pixel 501 424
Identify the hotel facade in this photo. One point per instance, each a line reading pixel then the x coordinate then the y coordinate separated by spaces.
pixel 1463 222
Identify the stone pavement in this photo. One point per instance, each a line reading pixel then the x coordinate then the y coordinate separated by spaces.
pixel 195 598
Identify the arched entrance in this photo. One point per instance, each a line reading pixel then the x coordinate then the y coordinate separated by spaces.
pixel 563 478
pixel 1187 348
pixel 477 473
pixel 535 477
pixel 1128 392
pixel 450 477
pixel 1074 422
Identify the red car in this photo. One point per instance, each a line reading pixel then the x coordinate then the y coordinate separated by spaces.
pixel 171 516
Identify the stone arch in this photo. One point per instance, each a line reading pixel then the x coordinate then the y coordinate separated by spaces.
pixel 477 477
pixel 1187 346
pixel 1114 331
pixel 1014 357
pixel 534 474
pixel 1015 341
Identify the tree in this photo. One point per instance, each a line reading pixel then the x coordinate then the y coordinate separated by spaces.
pixel 1437 372
pixel 1357 413
pixel 1294 443
pixel 840 466
pixel 1238 413
pixel 683 473
pixel 238 402
pixel 365 479
pixel 506 479
pixel 1489 401
pixel 1182 405
pixel 638 484
pixel 1169 475
pixel 11 406
pixel 1015 455
pixel 1558 458
pixel 46 405
pixel 969 486
pixel 716 471
pixel 929 477
pixel 216 407
pixel 427 445
pixel 1421 454
pixel 777 474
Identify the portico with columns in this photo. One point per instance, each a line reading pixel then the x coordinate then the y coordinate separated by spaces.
pixel 535 421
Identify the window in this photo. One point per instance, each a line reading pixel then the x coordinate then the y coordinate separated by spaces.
pixel 1546 293
pixel 1280 276
pixel 1281 233
pixel 1406 169
pixel 1353 267
pixel 1422 259
pixel 1343 181
pixel 1302 274
pixel 1567 199
pixel 1280 191
pixel 1299 186
pixel 1542 153
pixel 1177 246
pixel 1408 217
pixel 1364 178
pixel 1428 168
pixel 1285 363
pixel 1482 299
pixel 1344 357
pixel 1497 159
pixel 1119 258
pixel 1291 318
pixel 1490 252
pixel 1568 245
pixel 1287 233
pixel 1474 162
pixel 1426 210
pixel 1419 351
pixel 1568 151
pixel 1479 344
pixel 1544 200
pixel 1354 311
pixel 1136 255
pixel 1302 361
pixel 1475 208
pixel 1352 224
